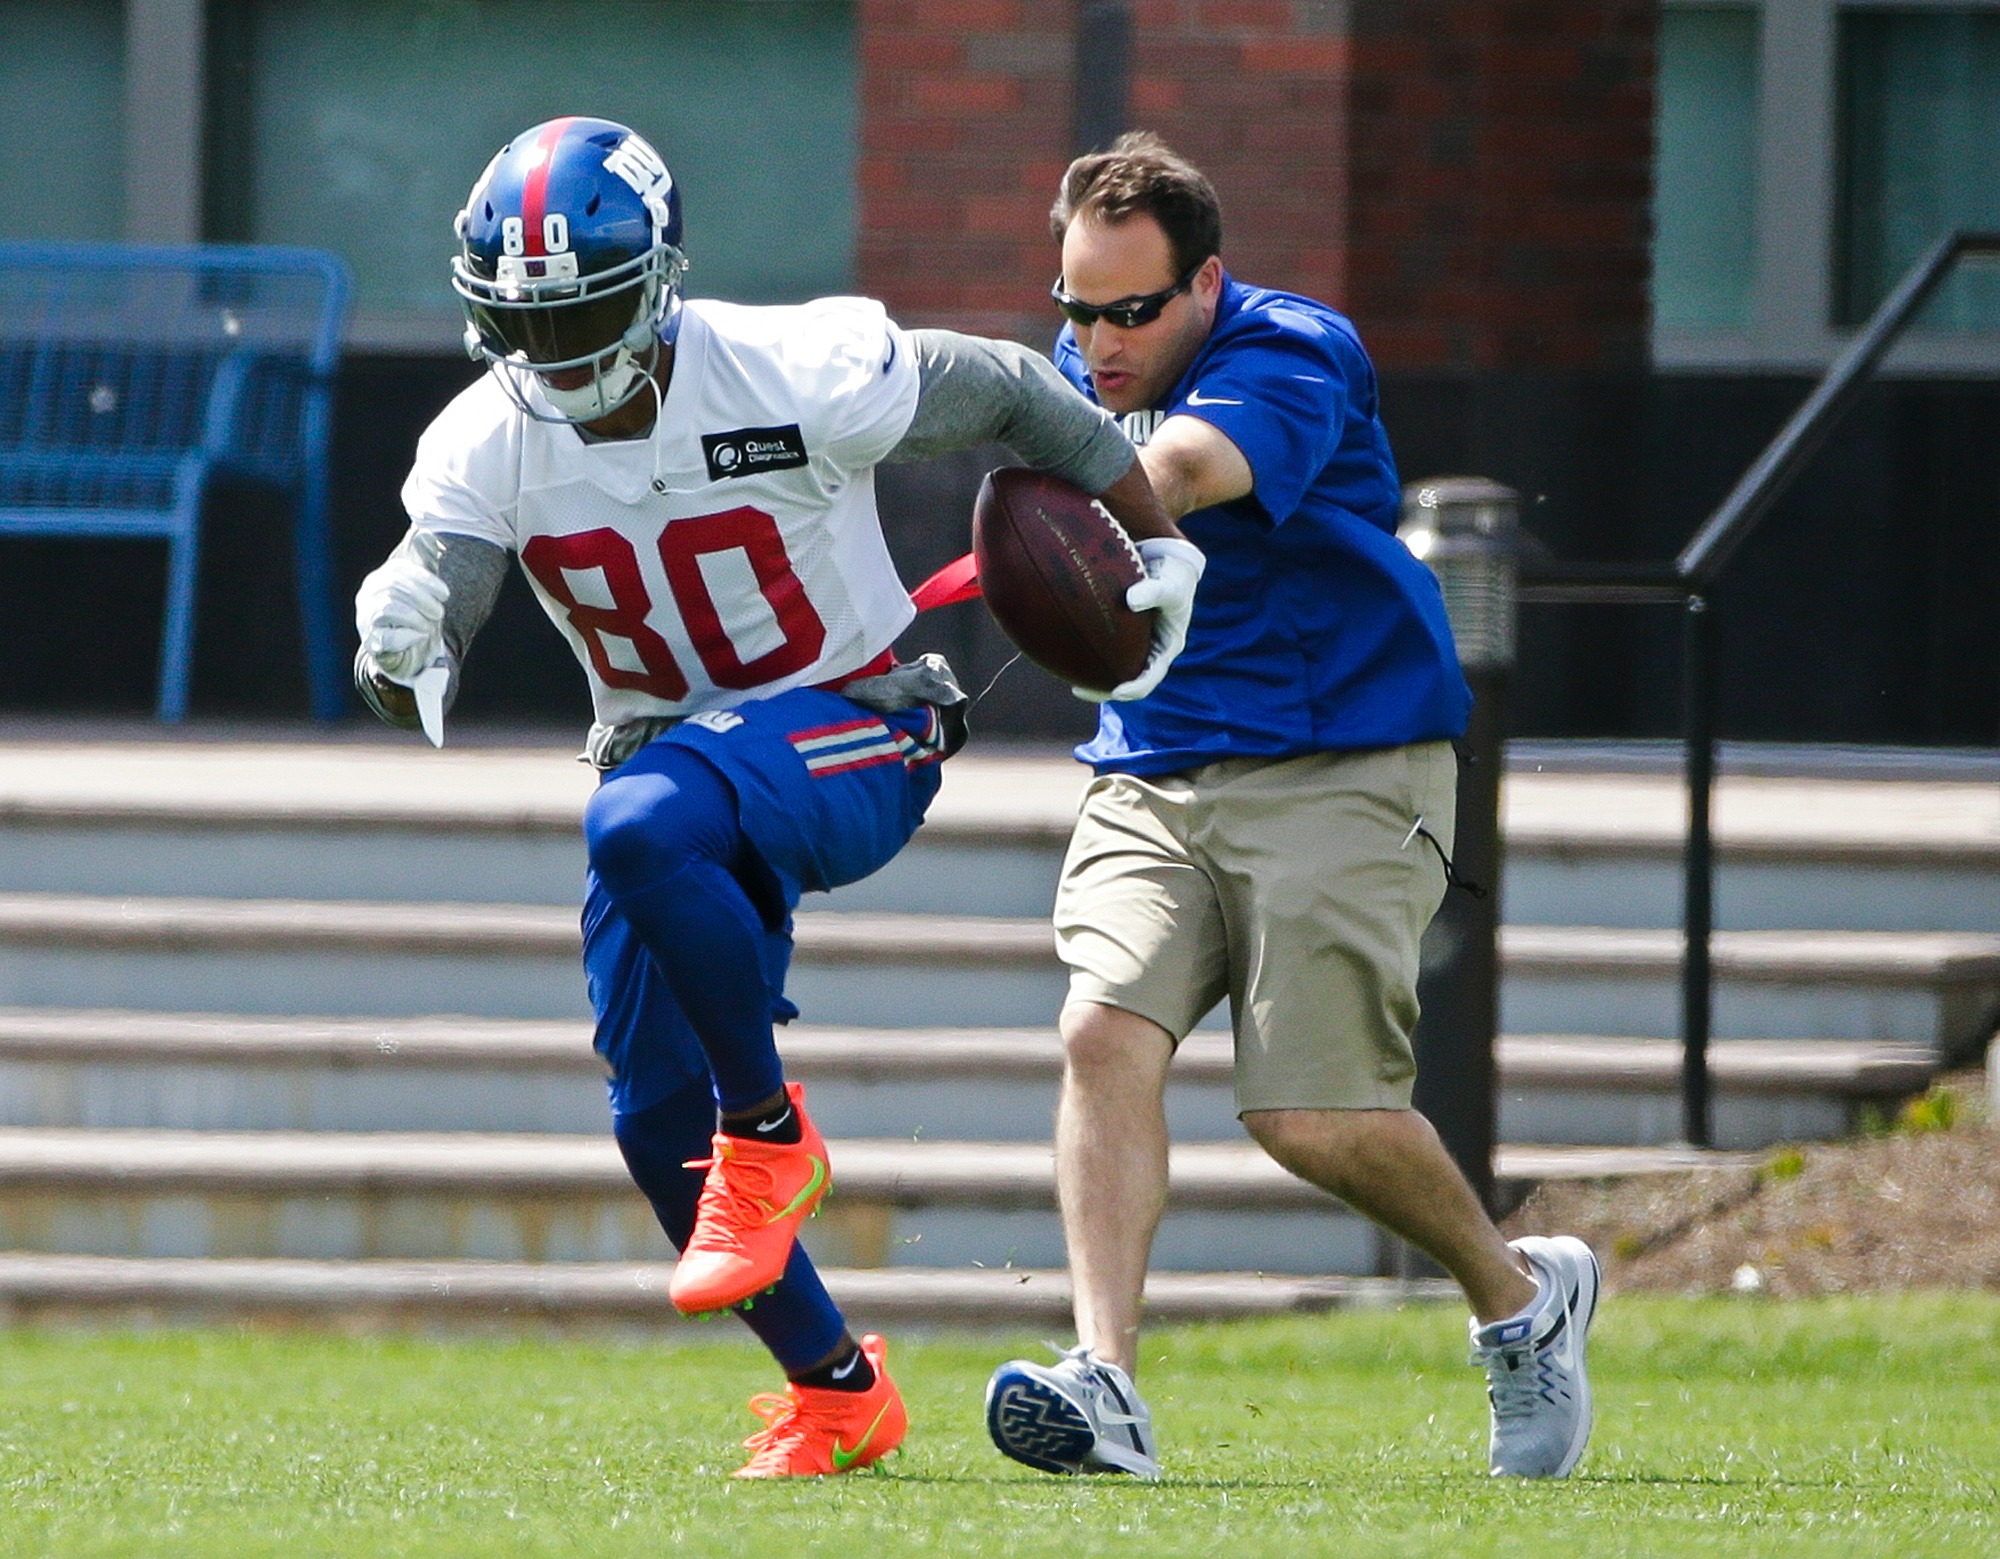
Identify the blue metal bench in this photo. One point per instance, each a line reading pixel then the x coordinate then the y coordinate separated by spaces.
pixel 132 377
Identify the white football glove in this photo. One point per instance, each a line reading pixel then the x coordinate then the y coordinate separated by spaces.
pixel 1173 569
pixel 399 613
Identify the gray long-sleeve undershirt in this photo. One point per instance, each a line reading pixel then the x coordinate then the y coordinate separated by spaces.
pixel 973 391
pixel 970 391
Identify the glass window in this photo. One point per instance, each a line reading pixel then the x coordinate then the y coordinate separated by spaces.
pixel 1920 144
pixel 62 119
pixel 359 125
pixel 1705 179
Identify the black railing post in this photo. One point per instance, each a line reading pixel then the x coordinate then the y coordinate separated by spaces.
pixel 1102 83
pixel 1698 866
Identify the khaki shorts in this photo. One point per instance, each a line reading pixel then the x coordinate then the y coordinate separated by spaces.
pixel 1295 887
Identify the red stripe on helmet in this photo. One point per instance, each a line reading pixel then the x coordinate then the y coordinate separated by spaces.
pixel 534 193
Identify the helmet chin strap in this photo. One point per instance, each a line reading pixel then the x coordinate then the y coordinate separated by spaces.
pixel 608 388
pixel 611 387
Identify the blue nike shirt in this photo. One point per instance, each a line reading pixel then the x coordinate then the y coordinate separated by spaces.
pixel 1314 629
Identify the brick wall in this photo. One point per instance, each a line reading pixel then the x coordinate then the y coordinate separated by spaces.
pixel 965 125
pixel 1470 178
pixel 1255 93
pixel 1500 203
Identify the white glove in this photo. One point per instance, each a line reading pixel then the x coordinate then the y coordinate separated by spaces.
pixel 1173 569
pixel 399 613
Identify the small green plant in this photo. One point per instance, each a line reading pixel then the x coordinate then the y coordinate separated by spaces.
pixel 1786 1164
pixel 1936 1110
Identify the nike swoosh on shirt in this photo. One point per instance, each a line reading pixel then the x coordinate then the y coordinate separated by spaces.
pixel 1196 398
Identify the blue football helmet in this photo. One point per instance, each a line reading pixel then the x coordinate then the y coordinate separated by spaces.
pixel 570 265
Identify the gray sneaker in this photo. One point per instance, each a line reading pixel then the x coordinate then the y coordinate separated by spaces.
pixel 1535 1375
pixel 1077 1415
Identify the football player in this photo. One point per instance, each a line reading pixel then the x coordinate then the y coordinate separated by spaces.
pixel 689 488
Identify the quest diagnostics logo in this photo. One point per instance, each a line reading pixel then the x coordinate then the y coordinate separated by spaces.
pixel 753 451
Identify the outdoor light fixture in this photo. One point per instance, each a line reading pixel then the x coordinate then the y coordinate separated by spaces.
pixel 1465 528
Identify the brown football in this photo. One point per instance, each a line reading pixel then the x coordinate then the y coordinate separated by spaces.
pixel 1054 567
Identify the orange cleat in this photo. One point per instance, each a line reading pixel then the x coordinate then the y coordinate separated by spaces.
pixel 815 1432
pixel 752 1203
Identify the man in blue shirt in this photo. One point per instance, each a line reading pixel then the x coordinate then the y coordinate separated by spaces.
pixel 1269 824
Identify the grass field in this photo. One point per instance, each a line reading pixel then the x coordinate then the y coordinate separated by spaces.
pixel 1864 1426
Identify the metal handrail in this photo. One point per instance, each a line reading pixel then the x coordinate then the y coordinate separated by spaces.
pixel 1687 581
pixel 1609 584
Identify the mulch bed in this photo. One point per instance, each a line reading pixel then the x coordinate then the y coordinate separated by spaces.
pixel 1914 1205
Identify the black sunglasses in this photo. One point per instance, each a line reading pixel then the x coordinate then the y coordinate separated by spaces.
pixel 1126 313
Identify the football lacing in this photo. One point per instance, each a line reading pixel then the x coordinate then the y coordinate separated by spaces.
pixel 784 1428
pixel 732 1199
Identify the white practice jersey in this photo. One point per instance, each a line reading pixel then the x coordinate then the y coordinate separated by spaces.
pixel 734 553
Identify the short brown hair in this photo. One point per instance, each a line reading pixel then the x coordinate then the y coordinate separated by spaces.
pixel 1142 176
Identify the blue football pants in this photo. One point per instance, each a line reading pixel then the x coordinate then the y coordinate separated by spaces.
pixel 699 847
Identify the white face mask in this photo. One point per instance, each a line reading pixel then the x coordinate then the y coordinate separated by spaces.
pixel 603 394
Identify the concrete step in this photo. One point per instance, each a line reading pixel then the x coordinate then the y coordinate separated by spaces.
pixel 351 1294
pixel 205 1071
pixel 876 970
pixel 1634 885
pixel 282 956
pixel 951 867
pixel 460 1196
pixel 217 1071
pixel 227 820
pixel 113 1068
pixel 1577 1089
pixel 261 820
pixel 387 821
pixel 1604 849
pixel 1935 989
pixel 407 1195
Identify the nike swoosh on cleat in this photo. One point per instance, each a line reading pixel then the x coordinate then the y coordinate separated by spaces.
pixel 844 1458
pixel 764 1128
pixel 804 1196
pixel 848 1368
